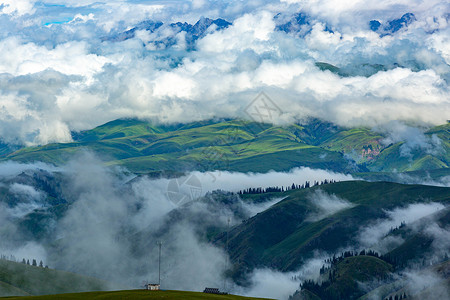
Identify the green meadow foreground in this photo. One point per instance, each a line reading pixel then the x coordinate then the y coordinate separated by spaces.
pixel 134 294
pixel 24 281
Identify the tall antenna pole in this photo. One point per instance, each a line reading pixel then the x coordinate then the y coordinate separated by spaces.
pixel 226 263
pixel 159 264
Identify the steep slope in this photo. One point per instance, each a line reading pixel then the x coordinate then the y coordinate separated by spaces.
pixel 288 233
pixel 345 278
pixel 438 288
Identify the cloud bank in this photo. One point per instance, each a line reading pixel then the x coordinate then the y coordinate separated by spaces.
pixel 62 70
pixel 374 236
pixel 326 205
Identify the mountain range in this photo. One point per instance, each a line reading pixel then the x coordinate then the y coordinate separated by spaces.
pixel 235 145
pixel 192 32
pixel 310 218
pixel 299 24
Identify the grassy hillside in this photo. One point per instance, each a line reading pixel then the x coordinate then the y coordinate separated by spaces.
pixel 136 294
pixel 361 141
pixel 344 280
pixel 416 242
pixel 404 158
pixel 230 145
pixel 436 289
pixel 9 290
pixel 21 279
pixel 351 276
pixel 242 146
pixel 354 270
pixel 285 235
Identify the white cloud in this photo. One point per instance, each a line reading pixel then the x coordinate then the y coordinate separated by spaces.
pixel 372 236
pixel 100 81
pixel 427 284
pixel 247 32
pixel 440 41
pixel 27 190
pixel 353 12
pixel 29 251
pixel 412 139
pixel 10 169
pixel 326 205
pixel 272 284
pixel 17 7
pixel 72 58
pixel 319 39
pixel 233 181
pixel 281 285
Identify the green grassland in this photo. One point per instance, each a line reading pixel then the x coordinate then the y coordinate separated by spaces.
pixel 135 294
pixel 391 158
pixel 358 269
pixel 142 147
pixel 354 139
pixel 21 279
pixel 240 146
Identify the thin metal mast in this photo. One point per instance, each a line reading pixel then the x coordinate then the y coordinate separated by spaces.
pixel 226 265
pixel 159 263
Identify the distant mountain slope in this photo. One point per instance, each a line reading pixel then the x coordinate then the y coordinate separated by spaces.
pixel 401 157
pixel 17 279
pixel 392 26
pixel 165 35
pixel 245 146
pixel 230 145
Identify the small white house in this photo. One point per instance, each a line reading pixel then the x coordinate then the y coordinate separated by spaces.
pixel 152 286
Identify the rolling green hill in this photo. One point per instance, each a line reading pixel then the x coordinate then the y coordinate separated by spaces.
pixel 437 289
pixel 229 145
pixel 136 294
pixel 344 280
pixel 354 270
pixel 393 159
pixel 236 145
pixel 17 279
pixel 352 277
pixel 285 235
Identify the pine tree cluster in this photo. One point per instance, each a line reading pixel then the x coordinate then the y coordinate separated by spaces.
pixel 277 189
pixel 24 261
